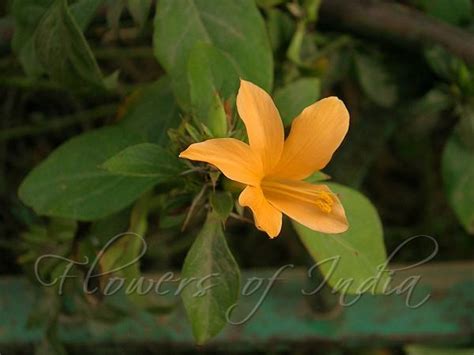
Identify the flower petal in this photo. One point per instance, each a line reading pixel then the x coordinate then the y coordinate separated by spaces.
pixel 267 218
pixel 263 123
pixel 234 158
pixel 315 135
pixel 314 206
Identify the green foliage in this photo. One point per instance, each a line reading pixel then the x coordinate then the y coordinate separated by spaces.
pixel 216 285
pixel 63 51
pixel 56 238
pixel 456 12
pixel 128 175
pixel 114 12
pixel 311 8
pixel 119 260
pixel 211 76
pixel 294 49
pixel 28 14
pixel 145 160
pixel 360 251
pixel 294 97
pixel 280 28
pixel 71 183
pixel 151 111
pixel 375 80
pixel 458 175
pixel 451 69
pixel 49 39
pixel 222 204
pixel 140 10
pixel 433 102
pixel 122 253
pixel 235 28
pixel 84 11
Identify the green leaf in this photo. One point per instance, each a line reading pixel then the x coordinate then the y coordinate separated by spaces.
pixel 206 59
pixel 432 103
pixel 71 184
pixel 211 77
pixel 458 176
pixel 28 14
pixel 63 51
pixel 151 112
pixel 84 11
pixel 54 238
pixel 217 281
pixel 139 9
pixel 234 27
pixel 360 250
pixel 145 159
pixel 294 97
pixel 280 28
pixel 114 13
pixel 455 12
pixel 312 9
pixel 376 80
pixel 120 259
pixel 122 251
pixel 443 63
pixel 222 203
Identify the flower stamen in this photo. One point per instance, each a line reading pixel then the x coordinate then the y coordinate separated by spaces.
pixel 324 202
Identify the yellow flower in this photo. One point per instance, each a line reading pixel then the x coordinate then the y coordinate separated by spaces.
pixel 274 169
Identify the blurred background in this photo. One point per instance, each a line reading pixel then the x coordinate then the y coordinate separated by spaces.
pixel 403 68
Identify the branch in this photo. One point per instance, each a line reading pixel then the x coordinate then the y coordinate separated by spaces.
pixel 397 21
